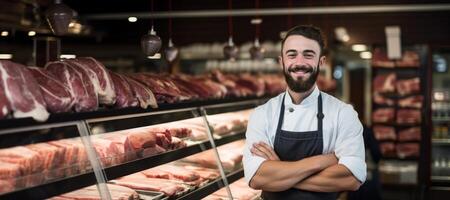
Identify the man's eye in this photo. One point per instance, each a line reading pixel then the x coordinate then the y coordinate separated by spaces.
pixel 291 55
pixel 309 56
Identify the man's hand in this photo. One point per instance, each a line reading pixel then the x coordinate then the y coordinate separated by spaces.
pixel 263 150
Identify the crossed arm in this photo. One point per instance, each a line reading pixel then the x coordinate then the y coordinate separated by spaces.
pixel 320 173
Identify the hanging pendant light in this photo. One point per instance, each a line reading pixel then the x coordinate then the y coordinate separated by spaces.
pixel 59 17
pixel 256 51
pixel 151 43
pixel 171 52
pixel 230 51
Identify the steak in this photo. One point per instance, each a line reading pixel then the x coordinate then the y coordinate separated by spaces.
pixel 381 100
pixel 384 132
pixel 408 86
pixel 408 150
pixel 412 102
pixel 408 116
pixel 383 115
pixel 384 83
pixel 410 134
pixel 143 94
pixel 57 96
pixel 22 92
pixel 124 93
pixel 91 193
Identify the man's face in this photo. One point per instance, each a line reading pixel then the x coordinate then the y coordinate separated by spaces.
pixel 300 60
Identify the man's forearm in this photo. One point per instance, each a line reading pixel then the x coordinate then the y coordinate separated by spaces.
pixel 281 175
pixel 335 178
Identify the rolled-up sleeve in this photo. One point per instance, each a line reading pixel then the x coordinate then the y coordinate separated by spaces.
pixel 350 143
pixel 257 131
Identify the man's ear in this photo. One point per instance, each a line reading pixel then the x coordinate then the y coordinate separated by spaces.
pixel 280 62
pixel 322 61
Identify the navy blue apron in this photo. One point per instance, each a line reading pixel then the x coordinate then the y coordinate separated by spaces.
pixel 293 146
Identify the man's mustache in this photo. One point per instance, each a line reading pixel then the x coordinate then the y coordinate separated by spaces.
pixel 303 68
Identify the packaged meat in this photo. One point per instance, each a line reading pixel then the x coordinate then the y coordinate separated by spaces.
pixel 384 83
pixel 408 150
pixel 91 193
pixel 410 134
pixel 384 132
pixel 387 148
pixel 239 190
pixel 408 116
pixel 139 181
pixel 411 102
pixel 380 59
pixel 381 100
pixel 408 86
pixel 383 115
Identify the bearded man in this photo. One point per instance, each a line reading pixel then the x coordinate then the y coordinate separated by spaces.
pixel 304 143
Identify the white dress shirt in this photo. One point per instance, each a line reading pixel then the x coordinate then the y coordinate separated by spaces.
pixel 342 130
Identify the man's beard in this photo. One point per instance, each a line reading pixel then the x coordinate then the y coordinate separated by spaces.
pixel 300 85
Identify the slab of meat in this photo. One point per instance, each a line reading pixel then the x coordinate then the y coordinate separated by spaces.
pixel 143 94
pixel 409 59
pixel 57 96
pixel 383 115
pixel 384 83
pixel 204 173
pixel 191 87
pixel 229 81
pixel 410 134
pixel 170 171
pixel 141 138
pixel 124 93
pixel 122 144
pixel 105 87
pixel 91 193
pixel 5 107
pixel 6 186
pixel 381 100
pixel 240 191
pixel 408 86
pixel 380 59
pixel 107 151
pixel 10 176
pixel 412 102
pixel 408 149
pixel 139 181
pixel 384 132
pixel 252 82
pixel 387 148
pixel 275 83
pixel 75 157
pixel 30 161
pixel 408 116
pixel 79 84
pixel 53 156
pixel 22 92
pixel 164 91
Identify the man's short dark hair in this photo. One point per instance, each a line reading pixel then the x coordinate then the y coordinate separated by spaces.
pixel 307 31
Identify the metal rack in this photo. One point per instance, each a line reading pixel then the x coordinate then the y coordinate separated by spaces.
pixel 98 174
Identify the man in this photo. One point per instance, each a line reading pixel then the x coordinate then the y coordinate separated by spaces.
pixel 304 144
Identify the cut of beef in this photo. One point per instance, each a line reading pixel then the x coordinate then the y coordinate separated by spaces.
pixel 124 93
pixel 164 91
pixel 143 94
pixel 408 86
pixel 384 83
pixel 10 176
pixel 380 59
pixel 107 151
pixel 408 149
pixel 408 116
pixel 105 87
pixel 387 148
pixel 22 92
pixel 413 101
pixel 204 173
pixel 170 171
pixel 384 132
pixel 410 134
pixel 30 161
pixel 53 156
pixel 57 96
pixel 252 82
pixel 383 115
pixel 78 83
pixel 381 100
pixel 91 193
pixel 139 181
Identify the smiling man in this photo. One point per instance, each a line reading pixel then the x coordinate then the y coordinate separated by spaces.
pixel 304 143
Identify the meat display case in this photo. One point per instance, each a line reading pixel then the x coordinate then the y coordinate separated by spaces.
pixel 438 162
pixel 98 170
pixel 399 120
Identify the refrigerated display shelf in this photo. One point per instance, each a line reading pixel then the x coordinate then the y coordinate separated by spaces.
pixel 441 141
pixel 104 112
pixel 441 119
pixel 440 178
pixel 79 181
pixel 213 186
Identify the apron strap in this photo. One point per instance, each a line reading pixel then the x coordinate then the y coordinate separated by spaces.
pixel 319 113
pixel 281 117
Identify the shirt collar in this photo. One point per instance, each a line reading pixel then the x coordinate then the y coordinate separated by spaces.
pixel 312 98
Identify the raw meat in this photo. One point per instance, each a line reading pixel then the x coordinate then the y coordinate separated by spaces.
pixel 143 94
pixel 105 87
pixel 410 134
pixel 6 186
pixel 408 116
pixel 408 86
pixel 380 59
pixel 274 83
pixel 408 149
pixel 384 83
pixel 239 190
pixel 383 115
pixel 108 153
pixel 413 101
pixel 384 132
pixel 124 93
pixel 10 176
pixel 164 91
pixel 53 156
pixel 170 171
pixel 79 84
pixel 139 181
pixel 57 96
pixel 177 143
pixel 75 157
pixel 409 59
pixel 91 193
pixel 30 161
pixel 5 107
pixel 140 138
pixel 381 100
pixel 387 148
pixel 204 173
pixel 22 91
pixel 252 82
pixel 122 144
